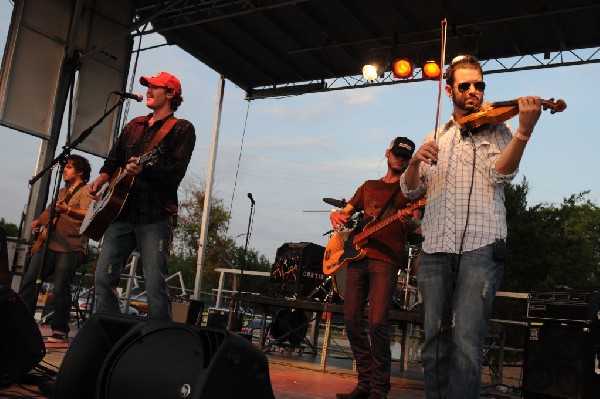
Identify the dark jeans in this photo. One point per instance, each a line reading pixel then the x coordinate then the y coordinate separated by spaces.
pixel 452 354
pixel 373 280
pixel 154 242
pixel 63 265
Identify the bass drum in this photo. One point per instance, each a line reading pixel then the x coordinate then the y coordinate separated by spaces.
pixel 339 282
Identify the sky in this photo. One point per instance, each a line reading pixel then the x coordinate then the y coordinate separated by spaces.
pixel 295 151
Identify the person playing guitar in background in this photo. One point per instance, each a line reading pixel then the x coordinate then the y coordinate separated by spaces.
pixel 148 216
pixel 374 276
pixel 66 250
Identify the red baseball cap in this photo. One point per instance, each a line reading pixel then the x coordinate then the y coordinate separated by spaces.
pixel 163 79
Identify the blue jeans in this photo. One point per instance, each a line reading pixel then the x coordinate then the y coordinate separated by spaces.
pixel 374 280
pixel 63 265
pixel 153 241
pixel 452 354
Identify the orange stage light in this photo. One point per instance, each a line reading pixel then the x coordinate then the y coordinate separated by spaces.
pixel 402 68
pixel 431 70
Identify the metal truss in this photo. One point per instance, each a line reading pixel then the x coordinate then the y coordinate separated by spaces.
pixel 491 66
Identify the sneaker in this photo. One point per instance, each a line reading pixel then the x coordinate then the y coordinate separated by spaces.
pixel 356 394
pixel 58 337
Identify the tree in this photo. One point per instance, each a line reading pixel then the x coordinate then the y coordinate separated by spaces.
pixel 549 247
pixel 11 229
pixel 221 251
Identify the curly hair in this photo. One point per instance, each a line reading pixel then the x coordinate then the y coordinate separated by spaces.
pixel 82 165
pixel 176 101
pixel 461 62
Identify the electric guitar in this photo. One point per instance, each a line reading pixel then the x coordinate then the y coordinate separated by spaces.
pixel 346 246
pixel 103 211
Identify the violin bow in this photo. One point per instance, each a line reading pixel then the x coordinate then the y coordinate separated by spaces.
pixel 444 27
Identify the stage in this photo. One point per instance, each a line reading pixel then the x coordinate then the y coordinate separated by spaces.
pixel 292 376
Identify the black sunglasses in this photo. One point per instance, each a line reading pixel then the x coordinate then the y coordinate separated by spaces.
pixel 464 86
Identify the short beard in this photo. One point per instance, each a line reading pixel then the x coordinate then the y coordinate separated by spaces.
pixel 396 171
pixel 467 108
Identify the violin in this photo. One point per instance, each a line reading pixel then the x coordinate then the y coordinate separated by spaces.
pixel 502 111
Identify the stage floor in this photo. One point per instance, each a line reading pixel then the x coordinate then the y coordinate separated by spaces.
pixel 293 376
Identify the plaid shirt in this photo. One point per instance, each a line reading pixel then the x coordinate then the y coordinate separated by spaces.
pixel 449 182
pixel 153 196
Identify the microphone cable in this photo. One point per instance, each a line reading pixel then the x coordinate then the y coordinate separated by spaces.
pixel 456 270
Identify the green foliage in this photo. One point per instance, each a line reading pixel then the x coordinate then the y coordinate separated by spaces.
pixel 11 229
pixel 221 251
pixel 550 246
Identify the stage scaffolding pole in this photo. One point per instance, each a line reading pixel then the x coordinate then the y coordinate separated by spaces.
pixel 208 190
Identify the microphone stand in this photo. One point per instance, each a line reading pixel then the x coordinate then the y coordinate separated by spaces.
pixel 62 159
pixel 232 323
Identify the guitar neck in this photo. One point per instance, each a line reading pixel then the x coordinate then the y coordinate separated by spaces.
pixel 375 228
pixel 386 222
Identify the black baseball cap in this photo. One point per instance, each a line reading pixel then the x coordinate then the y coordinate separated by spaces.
pixel 402 146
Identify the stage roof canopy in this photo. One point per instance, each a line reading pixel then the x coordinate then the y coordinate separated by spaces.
pixel 280 47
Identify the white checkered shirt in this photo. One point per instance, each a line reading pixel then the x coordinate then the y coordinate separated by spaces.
pixel 448 184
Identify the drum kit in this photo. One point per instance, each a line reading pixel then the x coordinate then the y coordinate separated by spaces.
pixel 406 295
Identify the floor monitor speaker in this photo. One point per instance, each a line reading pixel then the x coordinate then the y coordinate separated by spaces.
pixel 21 343
pixel 159 359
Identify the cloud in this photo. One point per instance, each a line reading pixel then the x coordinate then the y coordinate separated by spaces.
pixel 303 114
pixel 359 97
pixel 294 144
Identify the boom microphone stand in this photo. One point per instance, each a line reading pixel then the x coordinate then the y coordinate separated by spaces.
pixel 61 159
pixel 235 305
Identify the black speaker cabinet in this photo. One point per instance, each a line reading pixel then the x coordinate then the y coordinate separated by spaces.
pixel 561 360
pixel 118 356
pixel 21 343
pixel 298 269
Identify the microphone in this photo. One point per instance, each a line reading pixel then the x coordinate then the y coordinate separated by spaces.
pixel 251 199
pixel 137 97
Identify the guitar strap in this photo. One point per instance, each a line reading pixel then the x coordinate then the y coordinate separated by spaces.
pixel 164 130
pixel 387 204
pixel 70 194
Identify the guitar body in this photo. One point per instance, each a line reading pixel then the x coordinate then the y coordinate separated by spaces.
pixel 41 237
pixel 345 247
pixel 104 211
pixel 340 251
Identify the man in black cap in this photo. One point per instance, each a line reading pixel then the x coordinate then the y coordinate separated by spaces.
pixel 374 276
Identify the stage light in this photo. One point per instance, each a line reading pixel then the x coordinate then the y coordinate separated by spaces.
pixel 431 70
pixel 402 68
pixel 369 71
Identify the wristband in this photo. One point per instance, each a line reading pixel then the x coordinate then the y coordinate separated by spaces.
pixel 522 137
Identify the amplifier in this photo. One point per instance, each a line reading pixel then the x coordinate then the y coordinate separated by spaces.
pixel 564 306
pixel 298 269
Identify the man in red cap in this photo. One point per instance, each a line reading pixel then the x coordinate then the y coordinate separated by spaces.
pixel 148 215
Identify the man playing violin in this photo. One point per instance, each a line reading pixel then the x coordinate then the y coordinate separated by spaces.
pixel 463 174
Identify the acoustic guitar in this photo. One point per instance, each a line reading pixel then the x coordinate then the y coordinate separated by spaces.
pixel 103 211
pixel 42 235
pixel 346 246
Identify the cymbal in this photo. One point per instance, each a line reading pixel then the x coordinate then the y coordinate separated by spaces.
pixel 335 202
